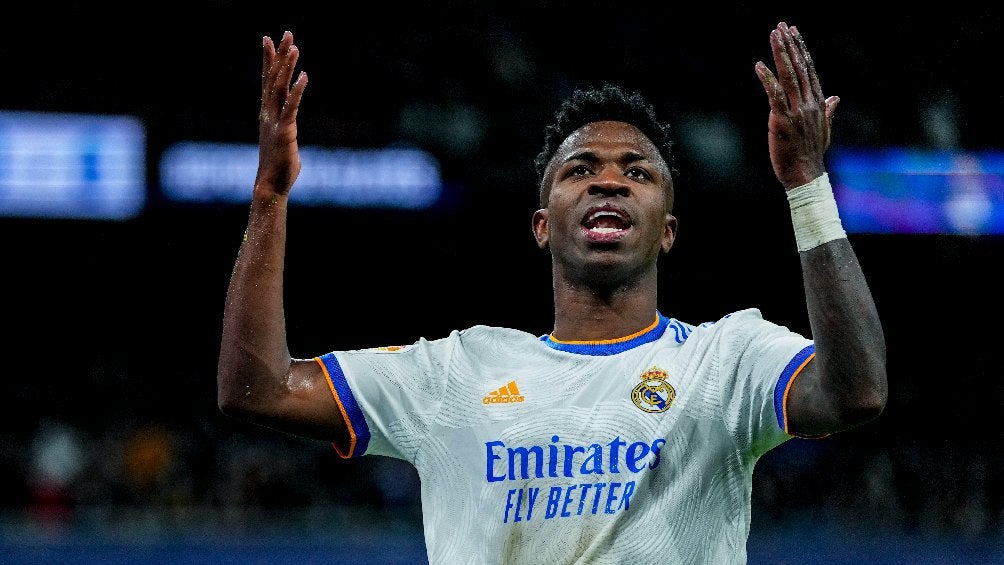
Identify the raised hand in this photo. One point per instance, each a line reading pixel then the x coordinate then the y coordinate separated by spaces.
pixel 278 152
pixel 798 129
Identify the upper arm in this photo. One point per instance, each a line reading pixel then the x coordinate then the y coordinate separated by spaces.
pixel 818 404
pixel 845 384
pixel 302 403
pixel 807 407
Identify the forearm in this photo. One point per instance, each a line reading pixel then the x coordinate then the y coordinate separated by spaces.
pixel 848 385
pixel 845 385
pixel 254 356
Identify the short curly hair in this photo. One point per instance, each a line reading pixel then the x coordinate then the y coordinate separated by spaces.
pixel 606 102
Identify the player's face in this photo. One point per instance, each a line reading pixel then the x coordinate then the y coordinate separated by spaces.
pixel 608 203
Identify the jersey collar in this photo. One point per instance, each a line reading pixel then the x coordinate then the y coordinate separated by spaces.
pixel 611 346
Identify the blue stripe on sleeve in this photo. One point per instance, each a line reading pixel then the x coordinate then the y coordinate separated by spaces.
pixel 359 431
pixel 782 383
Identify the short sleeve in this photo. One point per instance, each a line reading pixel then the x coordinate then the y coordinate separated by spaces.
pixel 758 360
pixel 388 395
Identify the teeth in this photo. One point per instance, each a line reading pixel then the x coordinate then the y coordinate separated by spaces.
pixel 602 213
pixel 605 230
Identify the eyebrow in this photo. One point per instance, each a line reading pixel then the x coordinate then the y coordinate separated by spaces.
pixel 592 157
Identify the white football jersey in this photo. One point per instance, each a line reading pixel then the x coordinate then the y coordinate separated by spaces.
pixel 531 450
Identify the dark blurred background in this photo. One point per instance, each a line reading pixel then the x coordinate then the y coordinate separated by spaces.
pixel 111 444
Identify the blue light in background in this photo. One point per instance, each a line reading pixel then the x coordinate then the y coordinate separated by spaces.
pixel 393 177
pixel 81 166
pixel 919 191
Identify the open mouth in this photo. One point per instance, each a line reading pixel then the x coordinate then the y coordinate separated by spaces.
pixel 606 223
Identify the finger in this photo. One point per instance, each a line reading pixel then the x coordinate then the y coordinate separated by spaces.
pixel 292 106
pixel 800 72
pixel 267 59
pixel 268 55
pixel 286 41
pixel 287 56
pixel 277 55
pixel 775 94
pixel 779 100
pixel 785 71
pixel 814 84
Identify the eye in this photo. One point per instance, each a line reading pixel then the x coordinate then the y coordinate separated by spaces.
pixel 579 170
pixel 638 173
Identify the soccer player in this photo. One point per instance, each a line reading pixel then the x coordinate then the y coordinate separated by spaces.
pixel 624 435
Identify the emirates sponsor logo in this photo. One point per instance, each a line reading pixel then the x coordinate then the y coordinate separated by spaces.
pixel 505 394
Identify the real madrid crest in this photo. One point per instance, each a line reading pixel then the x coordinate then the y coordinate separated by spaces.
pixel 653 393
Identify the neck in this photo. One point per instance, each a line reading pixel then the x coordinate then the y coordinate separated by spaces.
pixel 587 313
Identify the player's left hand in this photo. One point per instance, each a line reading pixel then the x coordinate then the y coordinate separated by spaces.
pixel 798 129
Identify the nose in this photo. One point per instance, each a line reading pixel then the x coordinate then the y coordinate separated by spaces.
pixel 609 182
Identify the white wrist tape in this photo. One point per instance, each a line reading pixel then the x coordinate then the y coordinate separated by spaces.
pixel 814 214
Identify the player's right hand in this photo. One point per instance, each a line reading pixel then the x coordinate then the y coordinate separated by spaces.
pixel 278 153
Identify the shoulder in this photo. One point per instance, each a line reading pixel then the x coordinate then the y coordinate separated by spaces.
pixel 731 320
pixel 744 316
pixel 744 325
pixel 748 328
pixel 476 337
pixel 493 334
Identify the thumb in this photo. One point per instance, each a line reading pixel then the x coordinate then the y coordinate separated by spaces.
pixel 831 106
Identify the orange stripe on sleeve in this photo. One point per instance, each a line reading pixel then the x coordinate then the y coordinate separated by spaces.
pixel 787 389
pixel 345 417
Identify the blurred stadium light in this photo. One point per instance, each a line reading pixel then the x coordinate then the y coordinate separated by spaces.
pixel 919 191
pixel 57 165
pixel 393 177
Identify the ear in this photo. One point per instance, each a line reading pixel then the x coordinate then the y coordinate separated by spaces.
pixel 669 233
pixel 539 226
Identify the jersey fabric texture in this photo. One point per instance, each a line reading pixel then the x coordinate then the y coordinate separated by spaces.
pixel 533 450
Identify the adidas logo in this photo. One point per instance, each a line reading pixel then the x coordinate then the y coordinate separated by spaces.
pixel 504 395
